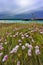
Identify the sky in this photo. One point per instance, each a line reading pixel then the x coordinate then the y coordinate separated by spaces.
pixel 15 7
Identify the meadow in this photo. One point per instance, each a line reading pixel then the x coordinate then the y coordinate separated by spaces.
pixel 21 44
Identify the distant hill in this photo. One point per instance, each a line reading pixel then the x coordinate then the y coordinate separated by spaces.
pixel 37 14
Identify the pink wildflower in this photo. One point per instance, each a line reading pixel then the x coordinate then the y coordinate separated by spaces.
pixel 37 51
pixel 29 52
pixel 5 58
pixel 1 48
pixel 14 50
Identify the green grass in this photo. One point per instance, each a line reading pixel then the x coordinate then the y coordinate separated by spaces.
pixel 21 55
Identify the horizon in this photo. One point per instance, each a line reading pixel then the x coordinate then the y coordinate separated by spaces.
pixel 21 9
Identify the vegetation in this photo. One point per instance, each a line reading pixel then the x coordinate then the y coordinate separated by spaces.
pixel 21 44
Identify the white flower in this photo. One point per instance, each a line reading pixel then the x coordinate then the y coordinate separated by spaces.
pixel 19 41
pixel 33 40
pixel 1 43
pixel 37 51
pixel 14 35
pixel 20 44
pixel 17 46
pixel 23 47
pixel 36 47
pixel 5 42
pixel 22 37
pixel 18 63
pixel 41 32
pixel 5 58
pixel 15 49
pixel 26 44
pixel 1 53
pixel 30 47
pixel 27 36
pixel 29 52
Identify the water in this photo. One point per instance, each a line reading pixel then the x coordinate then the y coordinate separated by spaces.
pixel 20 21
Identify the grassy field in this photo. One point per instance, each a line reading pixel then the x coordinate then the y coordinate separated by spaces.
pixel 21 44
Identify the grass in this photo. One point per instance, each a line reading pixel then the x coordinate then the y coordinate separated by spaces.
pixel 21 55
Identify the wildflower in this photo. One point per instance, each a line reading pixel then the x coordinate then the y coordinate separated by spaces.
pixel 37 47
pixel 33 40
pixel 26 36
pixel 1 53
pixel 5 58
pixel 22 37
pixel 37 51
pixel 1 48
pixel 18 63
pixel 5 42
pixel 30 47
pixel 26 44
pixel 20 44
pixel 14 50
pixel 10 35
pixel 34 30
pixel 29 52
pixel 1 43
pixel 17 46
pixel 23 47
pixel 14 35
pixel 19 41
pixel 41 32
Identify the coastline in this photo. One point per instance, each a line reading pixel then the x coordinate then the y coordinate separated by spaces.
pixel 21 21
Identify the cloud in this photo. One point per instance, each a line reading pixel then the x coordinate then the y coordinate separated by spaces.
pixel 13 7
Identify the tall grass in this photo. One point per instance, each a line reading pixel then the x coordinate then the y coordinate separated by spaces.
pixel 18 34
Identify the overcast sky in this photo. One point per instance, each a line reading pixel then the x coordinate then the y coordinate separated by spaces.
pixel 20 6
